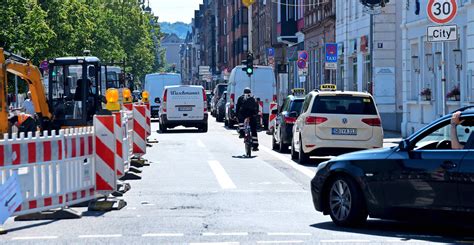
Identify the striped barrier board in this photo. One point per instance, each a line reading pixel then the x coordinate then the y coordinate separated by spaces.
pixel 148 119
pixel 119 154
pixel 139 130
pixel 272 116
pixel 105 146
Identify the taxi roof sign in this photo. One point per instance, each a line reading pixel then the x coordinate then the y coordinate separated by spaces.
pixel 328 87
pixel 296 91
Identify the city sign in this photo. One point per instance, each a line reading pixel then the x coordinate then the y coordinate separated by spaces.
pixel 204 70
pixel 441 11
pixel 331 52
pixel 442 33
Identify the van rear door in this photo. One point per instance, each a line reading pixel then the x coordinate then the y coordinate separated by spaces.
pixel 185 103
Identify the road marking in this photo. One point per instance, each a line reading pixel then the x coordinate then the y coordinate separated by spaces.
pixel 214 243
pixel 163 235
pixel 34 238
pixel 221 175
pixel 201 144
pixel 292 164
pixel 100 236
pixel 344 241
pixel 278 242
pixel 225 234
pixel 291 191
pixel 288 234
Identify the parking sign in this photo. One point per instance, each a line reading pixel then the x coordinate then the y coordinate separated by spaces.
pixel 331 52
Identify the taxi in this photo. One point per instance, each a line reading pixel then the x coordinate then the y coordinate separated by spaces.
pixel 334 122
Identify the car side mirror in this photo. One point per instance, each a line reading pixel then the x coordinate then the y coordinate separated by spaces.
pixel 157 100
pixel 293 114
pixel 404 145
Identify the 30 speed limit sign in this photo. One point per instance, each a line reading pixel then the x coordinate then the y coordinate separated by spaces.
pixel 442 11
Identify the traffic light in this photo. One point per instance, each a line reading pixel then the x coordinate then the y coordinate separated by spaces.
pixel 374 3
pixel 248 68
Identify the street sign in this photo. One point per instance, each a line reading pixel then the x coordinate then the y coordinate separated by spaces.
pixel 271 52
pixel 303 55
pixel 442 33
pixel 441 11
pixel 204 70
pixel 331 52
pixel 330 66
pixel 10 197
pixel 301 63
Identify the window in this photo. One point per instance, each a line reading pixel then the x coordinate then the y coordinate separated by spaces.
pixel 245 44
pixel 307 101
pixel 433 138
pixel 350 105
pixel 225 26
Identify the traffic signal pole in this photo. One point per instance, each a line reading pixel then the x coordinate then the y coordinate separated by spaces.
pixel 250 38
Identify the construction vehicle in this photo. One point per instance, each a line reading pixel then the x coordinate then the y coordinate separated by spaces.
pixel 74 90
pixel 23 68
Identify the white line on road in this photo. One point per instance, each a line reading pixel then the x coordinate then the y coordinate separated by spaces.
pixel 278 242
pixel 221 175
pixel 225 234
pixel 100 236
pixel 348 241
pixel 34 238
pixel 288 234
pixel 163 235
pixel 214 243
pixel 292 164
pixel 200 143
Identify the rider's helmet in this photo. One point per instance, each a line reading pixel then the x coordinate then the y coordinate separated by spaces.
pixel 247 90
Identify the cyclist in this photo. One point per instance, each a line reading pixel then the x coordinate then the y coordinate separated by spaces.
pixel 247 107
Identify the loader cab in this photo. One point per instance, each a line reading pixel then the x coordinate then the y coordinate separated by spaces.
pixel 74 90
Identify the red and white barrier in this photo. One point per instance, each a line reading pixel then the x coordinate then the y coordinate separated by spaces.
pixel 260 112
pixel 50 175
pixel 105 146
pixel 148 119
pixel 273 112
pixel 139 130
pixel 120 138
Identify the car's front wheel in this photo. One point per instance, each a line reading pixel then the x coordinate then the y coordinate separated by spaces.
pixel 345 202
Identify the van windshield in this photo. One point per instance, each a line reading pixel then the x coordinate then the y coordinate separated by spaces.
pixel 346 104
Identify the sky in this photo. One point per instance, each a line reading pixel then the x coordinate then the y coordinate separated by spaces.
pixel 175 10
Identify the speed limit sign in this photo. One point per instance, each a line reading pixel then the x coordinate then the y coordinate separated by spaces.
pixel 442 11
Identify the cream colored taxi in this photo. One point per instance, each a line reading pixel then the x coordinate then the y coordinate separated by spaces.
pixel 335 122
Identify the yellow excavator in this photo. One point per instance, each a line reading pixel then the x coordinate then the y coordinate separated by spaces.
pixel 23 68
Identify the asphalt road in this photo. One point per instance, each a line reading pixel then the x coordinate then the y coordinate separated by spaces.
pixel 198 190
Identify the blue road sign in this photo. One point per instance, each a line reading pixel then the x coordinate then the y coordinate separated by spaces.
pixel 271 52
pixel 331 52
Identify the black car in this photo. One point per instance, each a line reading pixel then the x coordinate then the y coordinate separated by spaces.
pixel 217 93
pixel 220 107
pixel 286 118
pixel 421 175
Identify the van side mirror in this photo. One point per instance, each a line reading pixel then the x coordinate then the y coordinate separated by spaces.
pixel 404 145
pixel 157 100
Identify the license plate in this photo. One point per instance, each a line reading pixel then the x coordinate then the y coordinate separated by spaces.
pixel 344 131
pixel 185 108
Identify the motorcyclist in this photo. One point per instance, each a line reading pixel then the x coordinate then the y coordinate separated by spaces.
pixel 247 107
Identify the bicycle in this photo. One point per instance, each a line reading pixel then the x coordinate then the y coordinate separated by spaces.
pixel 248 138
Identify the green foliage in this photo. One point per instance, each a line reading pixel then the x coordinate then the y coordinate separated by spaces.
pixel 113 30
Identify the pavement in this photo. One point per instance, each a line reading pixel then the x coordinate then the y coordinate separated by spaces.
pixel 198 190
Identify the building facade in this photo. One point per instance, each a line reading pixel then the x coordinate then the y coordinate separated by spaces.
pixel 374 69
pixel 422 66
pixel 171 43
pixel 319 29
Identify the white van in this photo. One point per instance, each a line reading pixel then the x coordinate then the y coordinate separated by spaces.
pixel 184 106
pixel 263 86
pixel 155 84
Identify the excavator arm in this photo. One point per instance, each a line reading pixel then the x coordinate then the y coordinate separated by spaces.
pixel 32 75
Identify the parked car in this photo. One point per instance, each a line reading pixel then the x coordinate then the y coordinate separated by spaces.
pixel 209 99
pixel 286 118
pixel 334 122
pixel 263 86
pixel 217 94
pixel 220 111
pixel 155 84
pixel 421 175
pixel 184 106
